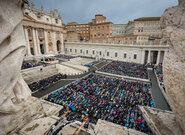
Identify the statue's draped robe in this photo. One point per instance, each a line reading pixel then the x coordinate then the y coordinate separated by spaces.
pixel 13 88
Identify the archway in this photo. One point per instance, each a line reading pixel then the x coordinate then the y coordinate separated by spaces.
pixel 42 48
pixel 32 51
pixel 58 45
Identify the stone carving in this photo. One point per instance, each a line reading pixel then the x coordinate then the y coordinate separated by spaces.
pixel 173 28
pixel 15 95
pixel 12 49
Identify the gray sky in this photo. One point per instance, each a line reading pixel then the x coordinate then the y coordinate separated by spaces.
pixel 116 11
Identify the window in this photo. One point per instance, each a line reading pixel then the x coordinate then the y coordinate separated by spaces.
pixel 107 53
pixel 66 49
pixel 142 29
pixel 81 51
pixel 135 56
pixel 86 51
pixel 116 54
pixel 40 33
pixel 56 21
pixel 107 35
pixel 103 27
pixel 93 52
pixel 94 35
pixel 70 50
pixel 98 27
pixel 98 35
pixel 75 50
pixel 125 55
pixel 107 27
pixel 47 19
pixel 100 52
pixel 103 35
pixel 91 36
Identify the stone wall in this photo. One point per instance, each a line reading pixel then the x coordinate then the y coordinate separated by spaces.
pixel 173 28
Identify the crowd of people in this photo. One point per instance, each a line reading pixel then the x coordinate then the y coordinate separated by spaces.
pixel 63 56
pixel 26 65
pixel 159 72
pixel 126 69
pixel 111 99
pixel 41 84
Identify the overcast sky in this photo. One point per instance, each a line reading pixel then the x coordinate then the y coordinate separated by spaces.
pixel 116 11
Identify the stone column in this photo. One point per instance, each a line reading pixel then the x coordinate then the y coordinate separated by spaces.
pixel 34 42
pixel 149 56
pixel 46 42
pixel 27 42
pixel 62 43
pixel 158 57
pixel 162 58
pixel 38 42
pixel 54 43
pixel 142 56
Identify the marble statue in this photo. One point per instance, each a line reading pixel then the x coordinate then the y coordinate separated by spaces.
pixel 12 49
pixel 15 95
pixel 173 29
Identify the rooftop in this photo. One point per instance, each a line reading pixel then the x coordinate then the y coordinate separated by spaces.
pixel 148 19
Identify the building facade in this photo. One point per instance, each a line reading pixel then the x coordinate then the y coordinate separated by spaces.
pixel 142 54
pixel 43 31
pixel 82 29
pixel 148 26
pixel 70 36
pixel 118 29
pixel 142 31
pixel 148 29
pixel 100 30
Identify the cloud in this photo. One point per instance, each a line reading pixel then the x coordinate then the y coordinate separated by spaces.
pixel 116 11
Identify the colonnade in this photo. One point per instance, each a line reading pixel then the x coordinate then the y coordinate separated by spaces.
pixel 154 56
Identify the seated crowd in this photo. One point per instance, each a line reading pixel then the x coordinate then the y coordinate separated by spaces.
pixel 26 65
pixel 110 99
pixel 159 72
pixel 126 69
pixel 63 56
pixel 41 84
